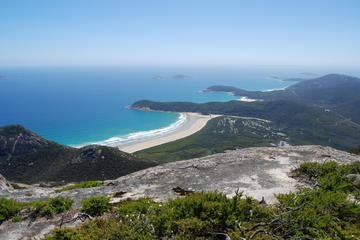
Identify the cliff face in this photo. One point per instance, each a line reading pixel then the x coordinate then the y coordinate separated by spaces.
pixel 29 158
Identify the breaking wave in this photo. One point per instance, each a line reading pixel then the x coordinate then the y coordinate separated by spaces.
pixel 137 136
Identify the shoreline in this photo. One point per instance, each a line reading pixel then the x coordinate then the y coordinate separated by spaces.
pixel 193 123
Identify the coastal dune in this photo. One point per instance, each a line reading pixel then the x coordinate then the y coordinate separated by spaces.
pixel 193 123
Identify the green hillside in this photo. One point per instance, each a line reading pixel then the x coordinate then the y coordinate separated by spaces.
pixel 27 157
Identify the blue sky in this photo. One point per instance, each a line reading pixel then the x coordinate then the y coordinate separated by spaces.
pixel 180 32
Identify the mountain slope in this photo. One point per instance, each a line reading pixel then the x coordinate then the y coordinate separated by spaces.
pixel 350 109
pixel 326 81
pixel 27 157
pixel 334 91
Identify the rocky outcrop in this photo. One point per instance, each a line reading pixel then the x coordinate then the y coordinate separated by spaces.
pixel 258 172
pixel 4 185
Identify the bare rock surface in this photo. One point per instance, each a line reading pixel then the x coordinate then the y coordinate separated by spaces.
pixel 37 228
pixel 4 184
pixel 259 172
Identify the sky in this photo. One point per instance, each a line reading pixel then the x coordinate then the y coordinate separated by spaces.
pixel 179 32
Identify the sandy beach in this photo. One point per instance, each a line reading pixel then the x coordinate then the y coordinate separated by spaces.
pixel 193 123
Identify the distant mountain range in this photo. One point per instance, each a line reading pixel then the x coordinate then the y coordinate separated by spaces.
pixel 27 157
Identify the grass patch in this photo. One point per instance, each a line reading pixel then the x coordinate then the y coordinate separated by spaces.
pixel 88 184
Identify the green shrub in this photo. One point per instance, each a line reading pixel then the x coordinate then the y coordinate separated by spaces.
pixel 60 204
pixel 96 206
pixel 66 234
pixel 52 206
pixel 323 212
pixel 140 206
pixel 190 228
pixel 101 229
pixel 315 170
pixel 88 184
pixel 16 218
pixel 9 208
pixel 352 168
pixel 315 213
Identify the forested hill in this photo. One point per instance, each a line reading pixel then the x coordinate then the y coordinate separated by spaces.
pixel 335 91
pixel 27 157
pixel 328 89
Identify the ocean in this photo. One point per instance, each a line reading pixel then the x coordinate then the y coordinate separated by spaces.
pixel 82 105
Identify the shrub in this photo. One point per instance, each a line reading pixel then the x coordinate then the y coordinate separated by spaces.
pixel 88 184
pixel 323 212
pixel 9 208
pixel 101 229
pixel 60 204
pixel 96 206
pixel 315 170
pixel 16 218
pixel 138 207
pixel 190 228
pixel 353 168
pixel 52 206
pixel 66 234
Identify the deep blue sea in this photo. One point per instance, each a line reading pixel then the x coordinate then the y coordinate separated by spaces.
pixel 80 105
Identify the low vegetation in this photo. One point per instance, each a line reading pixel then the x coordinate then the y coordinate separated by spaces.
pixel 95 206
pixel 9 208
pixel 328 209
pixel 88 184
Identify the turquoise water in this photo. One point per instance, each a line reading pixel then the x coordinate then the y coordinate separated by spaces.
pixel 79 105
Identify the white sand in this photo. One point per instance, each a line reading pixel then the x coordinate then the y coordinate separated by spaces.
pixel 194 122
